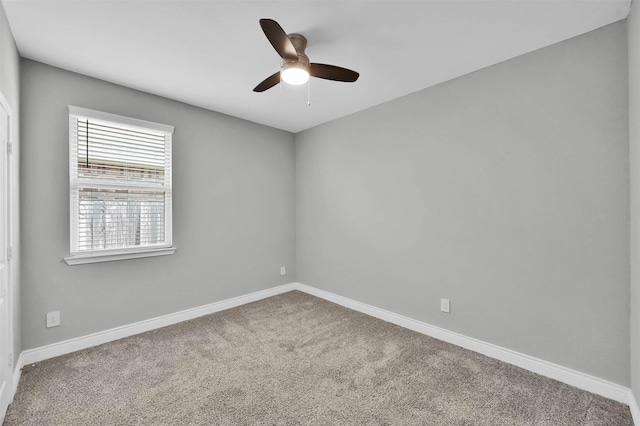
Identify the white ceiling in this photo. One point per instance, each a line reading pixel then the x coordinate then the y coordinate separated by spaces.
pixel 213 53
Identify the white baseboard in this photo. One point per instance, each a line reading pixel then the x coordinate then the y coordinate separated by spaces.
pixel 633 406
pixel 31 356
pixel 554 371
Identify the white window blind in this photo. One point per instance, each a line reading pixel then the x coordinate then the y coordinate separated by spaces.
pixel 120 183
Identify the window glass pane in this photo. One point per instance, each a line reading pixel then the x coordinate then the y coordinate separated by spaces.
pixel 109 219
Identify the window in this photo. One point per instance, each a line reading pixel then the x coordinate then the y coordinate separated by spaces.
pixel 120 187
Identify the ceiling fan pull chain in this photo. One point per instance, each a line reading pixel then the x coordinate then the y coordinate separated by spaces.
pixel 309 93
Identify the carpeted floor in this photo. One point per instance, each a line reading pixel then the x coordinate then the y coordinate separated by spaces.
pixel 294 359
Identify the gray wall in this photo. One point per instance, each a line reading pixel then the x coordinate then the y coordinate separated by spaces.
pixel 233 211
pixel 505 190
pixel 633 23
pixel 10 88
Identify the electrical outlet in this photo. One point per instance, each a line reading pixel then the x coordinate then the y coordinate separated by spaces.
pixel 445 305
pixel 53 319
pixel 283 270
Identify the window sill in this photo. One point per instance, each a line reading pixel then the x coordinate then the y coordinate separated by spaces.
pixel 81 259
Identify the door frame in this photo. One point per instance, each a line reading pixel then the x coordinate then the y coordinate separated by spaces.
pixel 8 194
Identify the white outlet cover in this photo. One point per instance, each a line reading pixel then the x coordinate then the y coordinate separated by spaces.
pixel 53 319
pixel 445 305
pixel 283 270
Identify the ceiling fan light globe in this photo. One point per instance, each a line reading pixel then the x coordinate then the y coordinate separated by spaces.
pixel 294 75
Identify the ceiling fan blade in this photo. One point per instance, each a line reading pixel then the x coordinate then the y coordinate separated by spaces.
pixel 279 39
pixel 332 72
pixel 268 82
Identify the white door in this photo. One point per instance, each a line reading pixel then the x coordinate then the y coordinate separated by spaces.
pixel 6 387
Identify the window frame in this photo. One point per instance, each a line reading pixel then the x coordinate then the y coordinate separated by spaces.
pixel 78 257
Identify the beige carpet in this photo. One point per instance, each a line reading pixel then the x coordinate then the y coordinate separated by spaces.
pixel 294 359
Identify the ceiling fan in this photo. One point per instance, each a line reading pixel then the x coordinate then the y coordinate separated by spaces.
pixel 296 67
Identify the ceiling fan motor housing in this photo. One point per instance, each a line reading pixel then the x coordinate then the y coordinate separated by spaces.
pixel 300 43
